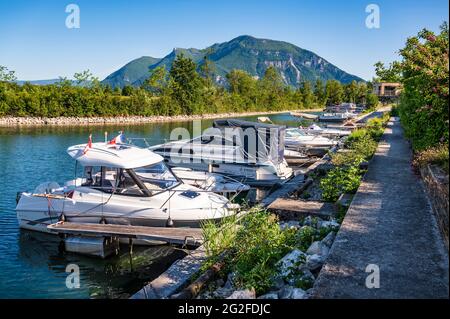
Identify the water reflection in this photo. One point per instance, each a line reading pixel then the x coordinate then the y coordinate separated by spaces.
pixel 115 277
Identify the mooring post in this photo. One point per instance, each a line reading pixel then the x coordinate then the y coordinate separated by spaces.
pixel 130 245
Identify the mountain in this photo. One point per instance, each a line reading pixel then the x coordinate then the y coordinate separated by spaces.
pixel 131 71
pixel 38 82
pixel 246 53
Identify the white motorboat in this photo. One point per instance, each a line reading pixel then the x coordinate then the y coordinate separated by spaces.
pixel 315 129
pixel 336 117
pixel 298 139
pixel 254 156
pixel 122 184
pixel 210 181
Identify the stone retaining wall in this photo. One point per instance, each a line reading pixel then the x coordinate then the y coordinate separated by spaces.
pixel 31 121
pixel 436 184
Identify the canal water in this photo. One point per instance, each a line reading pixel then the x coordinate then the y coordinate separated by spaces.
pixel 32 265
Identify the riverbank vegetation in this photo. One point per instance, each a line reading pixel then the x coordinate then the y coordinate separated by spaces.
pixel 185 89
pixel 346 175
pixel 251 248
pixel 424 103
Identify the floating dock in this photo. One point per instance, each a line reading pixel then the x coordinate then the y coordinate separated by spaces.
pixel 308 116
pixel 171 235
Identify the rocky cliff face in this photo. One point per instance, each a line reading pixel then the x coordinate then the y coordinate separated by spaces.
pixel 251 55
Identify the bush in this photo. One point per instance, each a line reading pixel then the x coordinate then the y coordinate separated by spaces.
pixel 340 180
pixel 424 101
pixel 434 155
pixel 254 245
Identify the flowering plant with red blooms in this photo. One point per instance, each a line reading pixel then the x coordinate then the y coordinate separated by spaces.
pixel 424 102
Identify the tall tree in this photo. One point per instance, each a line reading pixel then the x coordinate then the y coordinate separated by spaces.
pixel 335 92
pixel 208 69
pixel 185 84
pixel 319 92
pixel 307 94
pixel 392 73
pixel 157 81
pixel 7 75
pixel 351 92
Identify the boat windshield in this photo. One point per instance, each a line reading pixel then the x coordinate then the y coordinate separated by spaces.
pixel 143 181
pixel 294 133
pixel 156 177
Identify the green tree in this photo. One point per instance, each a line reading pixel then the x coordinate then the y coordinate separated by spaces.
pixel 83 78
pixel 127 90
pixel 424 103
pixel 157 81
pixel 208 69
pixel 334 91
pixel 319 93
pixel 7 75
pixel 307 94
pixel 392 73
pixel 271 86
pixel 351 92
pixel 185 84
pixel 240 82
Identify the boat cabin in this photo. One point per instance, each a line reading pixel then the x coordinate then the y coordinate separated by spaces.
pixel 123 169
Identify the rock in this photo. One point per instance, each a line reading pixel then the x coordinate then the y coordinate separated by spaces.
pixel 230 279
pixel 329 239
pixel 290 224
pixel 307 221
pixel 307 275
pixel 298 293
pixel 219 282
pixel 243 294
pixel 318 248
pixel 269 295
pixel 291 261
pixel 285 292
pixel 331 224
pixel 309 292
pixel 277 283
pixel 222 293
pixel 314 262
pixel 289 292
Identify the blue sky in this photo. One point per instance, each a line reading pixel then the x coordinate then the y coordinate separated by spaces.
pixel 35 42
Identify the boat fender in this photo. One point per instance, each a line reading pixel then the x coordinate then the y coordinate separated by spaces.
pixel 62 218
pixel 103 221
pixel 169 222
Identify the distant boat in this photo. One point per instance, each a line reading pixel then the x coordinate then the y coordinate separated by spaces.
pixel 295 139
pixel 336 117
pixel 315 129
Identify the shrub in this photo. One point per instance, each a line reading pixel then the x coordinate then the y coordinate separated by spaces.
pixel 434 155
pixel 254 245
pixel 338 181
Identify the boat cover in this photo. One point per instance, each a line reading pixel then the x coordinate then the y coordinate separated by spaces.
pixel 268 142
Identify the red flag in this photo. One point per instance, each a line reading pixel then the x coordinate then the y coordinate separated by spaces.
pixel 88 145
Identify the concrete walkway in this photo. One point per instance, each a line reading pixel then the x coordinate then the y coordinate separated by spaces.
pixel 389 223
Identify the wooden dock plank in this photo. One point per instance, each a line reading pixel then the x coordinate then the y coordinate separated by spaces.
pixel 166 234
pixel 303 207
pixel 294 184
